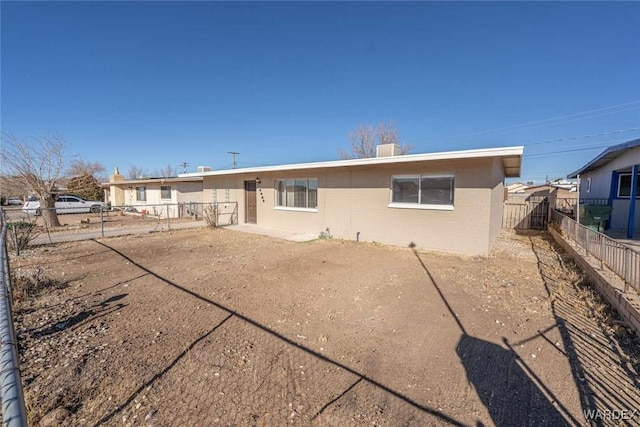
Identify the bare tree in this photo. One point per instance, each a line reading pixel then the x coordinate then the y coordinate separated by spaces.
pixel 136 172
pixel 80 167
pixel 37 163
pixel 166 172
pixel 364 139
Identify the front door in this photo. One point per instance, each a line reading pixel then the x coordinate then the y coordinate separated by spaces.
pixel 250 202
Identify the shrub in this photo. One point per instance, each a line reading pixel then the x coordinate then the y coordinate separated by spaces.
pixel 20 234
pixel 28 283
pixel 210 215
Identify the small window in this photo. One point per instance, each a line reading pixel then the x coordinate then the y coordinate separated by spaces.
pixel 297 193
pixel 422 191
pixel 624 185
pixel 141 194
pixel 589 185
pixel 227 191
pixel 165 192
pixel 215 193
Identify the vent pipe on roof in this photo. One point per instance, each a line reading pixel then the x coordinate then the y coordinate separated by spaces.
pixel 388 150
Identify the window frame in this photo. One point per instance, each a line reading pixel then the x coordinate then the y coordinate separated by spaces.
pixel 419 205
pixel 620 175
pixel 144 192
pixel 277 199
pixel 162 187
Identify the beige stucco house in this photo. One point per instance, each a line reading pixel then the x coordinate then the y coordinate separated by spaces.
pixel 449 201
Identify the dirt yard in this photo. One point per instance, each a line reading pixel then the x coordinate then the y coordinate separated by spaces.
pixel 216 327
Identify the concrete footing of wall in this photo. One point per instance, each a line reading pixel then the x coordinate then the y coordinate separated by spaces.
pixel 607 283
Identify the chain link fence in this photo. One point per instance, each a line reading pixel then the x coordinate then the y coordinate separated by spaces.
pixel 13 408
pixel 37 227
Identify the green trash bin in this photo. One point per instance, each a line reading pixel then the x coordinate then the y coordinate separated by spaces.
pixel 595 216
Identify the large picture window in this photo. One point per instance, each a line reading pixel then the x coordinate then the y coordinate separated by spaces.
pixel 422 191
pixel 297 193
pixel 624 185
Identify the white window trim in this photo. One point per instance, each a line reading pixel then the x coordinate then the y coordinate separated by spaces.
pixel 144 190
pixel 397 205
pixel 400 205
pixel 618 196
pixel 286 208
pixel 289 208
pixel 170 193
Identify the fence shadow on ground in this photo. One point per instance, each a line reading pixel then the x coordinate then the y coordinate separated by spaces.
pixel 510 391
pixel 600 362
pixel 357 379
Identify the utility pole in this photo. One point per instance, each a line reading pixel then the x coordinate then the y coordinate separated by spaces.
pixel 184 166
pixel 234 154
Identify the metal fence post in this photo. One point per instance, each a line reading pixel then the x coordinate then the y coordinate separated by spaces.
pixel 15 240
pixel 168 222
pixel 626 265
pixel 102 221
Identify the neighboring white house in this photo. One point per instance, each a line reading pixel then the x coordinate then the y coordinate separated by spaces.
pixel 607 179
pixel 152 194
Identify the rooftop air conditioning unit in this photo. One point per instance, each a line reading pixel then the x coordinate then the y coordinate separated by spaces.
pixel 204 169
pixel 387 150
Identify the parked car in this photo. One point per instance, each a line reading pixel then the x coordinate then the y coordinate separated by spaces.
pixel 14 201
pixel 67 204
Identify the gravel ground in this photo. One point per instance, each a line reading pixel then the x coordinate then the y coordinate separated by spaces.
pixel 216 327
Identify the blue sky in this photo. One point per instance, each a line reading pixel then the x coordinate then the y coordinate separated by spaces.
pixel 152 84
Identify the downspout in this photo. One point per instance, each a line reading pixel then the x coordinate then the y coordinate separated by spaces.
pixel 632 201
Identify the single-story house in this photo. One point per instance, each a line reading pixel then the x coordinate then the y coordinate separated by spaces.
pixel 607 179
pixel 516 187
pixel 147 193
pixel 450 201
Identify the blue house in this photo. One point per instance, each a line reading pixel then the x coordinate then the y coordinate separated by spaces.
pixel 613 176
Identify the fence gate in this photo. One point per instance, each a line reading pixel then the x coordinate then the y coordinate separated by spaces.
pixel 525 213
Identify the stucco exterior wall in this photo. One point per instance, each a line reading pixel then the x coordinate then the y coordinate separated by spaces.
pixel 188 192
pixel 497 197
pixel 353 203
pixel 152 192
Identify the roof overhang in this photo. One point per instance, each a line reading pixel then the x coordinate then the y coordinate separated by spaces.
pixel 511 161
pixel 173 179
pixel 605 157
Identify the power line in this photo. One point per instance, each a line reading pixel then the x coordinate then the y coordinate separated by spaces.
pixel 604 143
pixel 515 127
pixel 585 136
pixel 567 151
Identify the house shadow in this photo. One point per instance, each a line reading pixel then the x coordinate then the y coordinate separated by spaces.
pixel 509 390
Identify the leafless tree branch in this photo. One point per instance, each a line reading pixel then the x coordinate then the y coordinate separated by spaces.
pixel 37 163
pixel 364 139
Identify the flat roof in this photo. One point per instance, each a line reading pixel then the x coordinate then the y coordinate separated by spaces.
pixel 156 180
pixel 605 157
pixel 511 160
